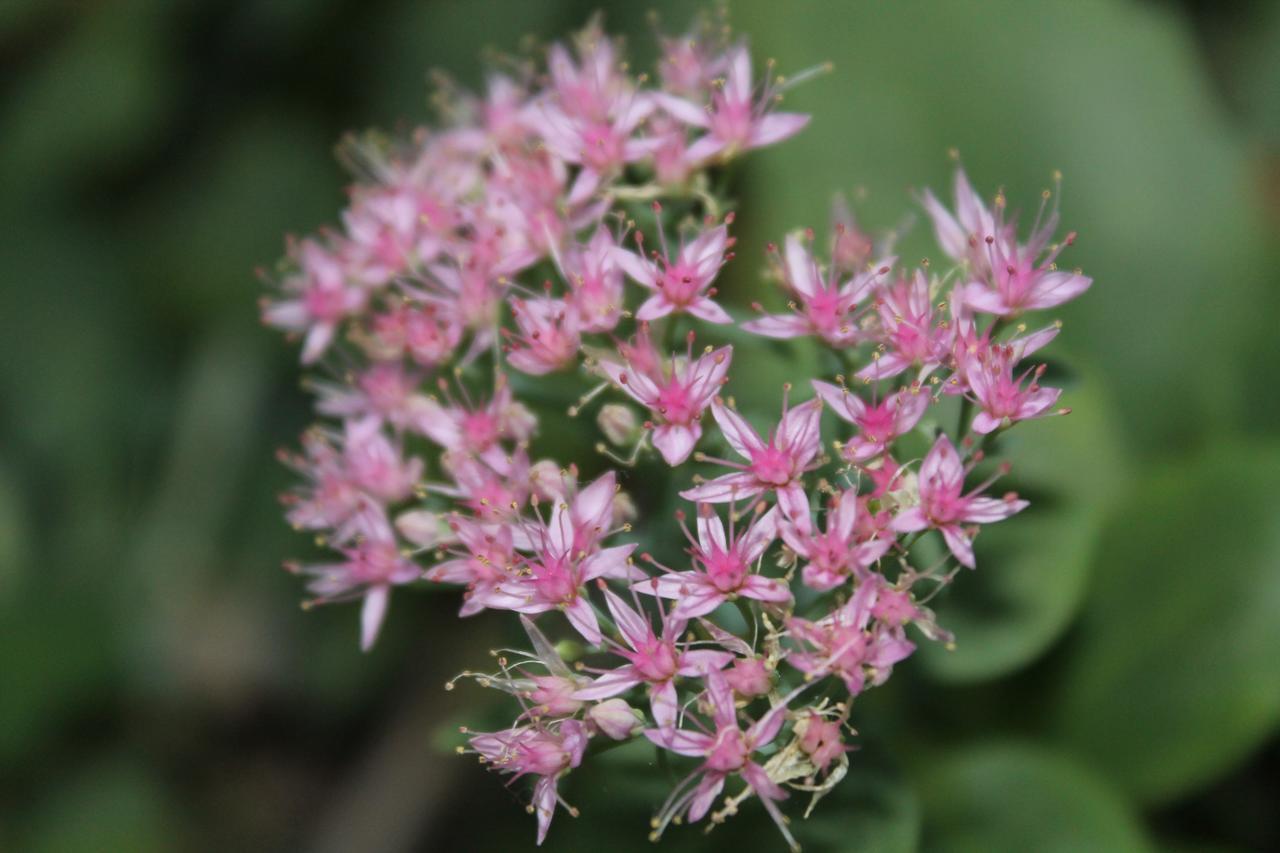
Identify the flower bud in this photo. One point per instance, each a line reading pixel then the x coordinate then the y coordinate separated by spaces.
pixel 422 528
pixel 618 423
pixel 546 480
pixel 553 696
pixel 615 718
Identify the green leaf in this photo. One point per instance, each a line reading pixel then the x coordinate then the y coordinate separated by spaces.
pixel 1176 676
pixel 1015 797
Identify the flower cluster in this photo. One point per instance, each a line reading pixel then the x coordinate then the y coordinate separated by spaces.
pixel 565 221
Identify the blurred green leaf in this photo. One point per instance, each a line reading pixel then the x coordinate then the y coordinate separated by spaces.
pixel 1014 797
pixel 1175 675
pixel 113 805
pixel 97 97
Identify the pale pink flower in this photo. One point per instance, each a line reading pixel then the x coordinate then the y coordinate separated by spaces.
pixel 477 427
pixel 837 554
pixel 944 507
pixel 547 751
pixel 318 298
pixel 600 146
pixel 723 566
pixel 1002 398
pixel 376 465
pixel 330 500
pixel 822 308
pixel 653 659
pixel 484 557
pixel 385 390
pixel 847 645
pixel 1011 277
pixel 593 85
pixel 372 566
pixel 738 118
pixel 595 282
pixel 555 575
pixel 879 424
pixel 394 229
pixel 908 330
pixel 749 677
pixel 726 749
pixel 682 284
pixel 773 464
pixel 677 396
pixel 491 493
pixel 428 333
pixel 548 338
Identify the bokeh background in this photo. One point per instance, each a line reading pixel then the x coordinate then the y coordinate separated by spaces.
pixel 1117 681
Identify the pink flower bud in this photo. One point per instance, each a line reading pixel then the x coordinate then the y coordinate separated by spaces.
pixel 618 423
pixel 422 528
pixel 615 718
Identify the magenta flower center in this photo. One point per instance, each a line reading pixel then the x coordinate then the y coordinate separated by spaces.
pixel 729 752
pixel 772 465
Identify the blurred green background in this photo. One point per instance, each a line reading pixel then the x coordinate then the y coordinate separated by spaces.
pixel 1117 682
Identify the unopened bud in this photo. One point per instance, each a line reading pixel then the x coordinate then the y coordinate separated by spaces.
pixel 422 528
pixel 618 423
pixel 615 718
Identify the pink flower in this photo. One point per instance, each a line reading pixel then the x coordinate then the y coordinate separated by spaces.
pixel 593 86
pixel 652 659
pixel 486 557
pixel 878 424
pixel 774 464
pixel 548 338
pixel 847 645
pixel 554 576
pixel 836 555
pixel 331 500
pixel 908 331
pixel 371 568
pixel 822 308
pixel 1011 277
pixel 395 228
pixel 471 428
pixel 600 145
pixel 681 285
pixel 491 493
pixel 677 396
pixel 726 749
pixel 723 567
pixel 595 282
pixel 738 118
pixel 1003 398
pixel 821 739
pixel 545 751
pixel 377 466
pixel 943 507
pixel 384 390
pixel 320 298
pixel 429 334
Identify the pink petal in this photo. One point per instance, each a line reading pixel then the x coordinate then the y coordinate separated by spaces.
pixel 765 589
pixel 984 423
pixel 842 401
pixel 687 111
pixel 987 510
pixel 736 486
pixel 708 789
pixel 741 437
pixel 654 307
pixel 707 310
pixel 910 520
pixel 583 619
pixel 635 628
pixel 959 544
pixel 610 684
pixel 776 127
pixel 635 267
pixel 372 614
pixel 782 326
pixel 1055 288
pixel 801 272
pixel 676 441
pixel 799 430
pixel 759 536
